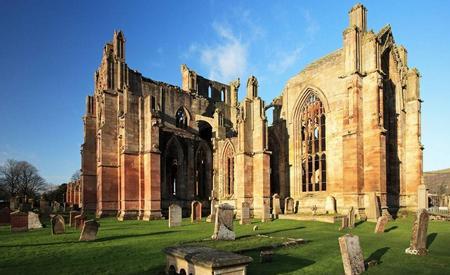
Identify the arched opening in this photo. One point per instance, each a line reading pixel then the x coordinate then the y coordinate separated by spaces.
pixel 274 147
pixel 313 139
pixel 203 169
pixel 209 91
pixel 228 173
pixel 222 95
pixel 205 130
pixel 181 118
pixel 173 168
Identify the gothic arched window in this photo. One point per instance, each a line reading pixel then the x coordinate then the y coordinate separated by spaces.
pixel 313 145
pixel 181 118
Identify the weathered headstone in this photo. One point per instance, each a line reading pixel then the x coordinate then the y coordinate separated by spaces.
pixel 13 203
pixel 344 223
pixel 265 215
pixel 196 211
pixel 245 213
pixel 57 224
pixel 19 221
pixel 373 209
pixel 351 217
pixel 43 206
pixel 174 215
pixel 212 216
pixel 422 197
pixel 276 208
pixel 5 217
pixel 72 215
pixel 381 224
pixel 89 231
pixel 330 205
pixel 418 243
pixel 288 205
pixel 352 256
pixel 223 228
pixel 79 221
pixel 33 221
pixel 56 207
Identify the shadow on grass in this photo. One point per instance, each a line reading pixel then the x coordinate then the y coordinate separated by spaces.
pixel 104 239
pixel 430 239
pixel 391 228
pixel 359 222
pixel 280 264
pixel 267 233
pixel 38 244
pixel 376 256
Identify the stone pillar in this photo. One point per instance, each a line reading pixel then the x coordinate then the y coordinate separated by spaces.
pixel 422 197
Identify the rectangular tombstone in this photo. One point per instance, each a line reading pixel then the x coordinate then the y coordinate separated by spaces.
pixel 344 224
pixel 174 215
pixel 351 217
pixel 19 221
pixel 373 209
pixel 72 215
pixel 33 221
pixel 43 206
pixel 196 211
pixel 89 231
pixel 422 197
pixel 266 211
pixel 381 224
pixel 276 208
pixel 223 228
pixel 57 225
pixel 288 205
pixel 79 221
pixel 352 256
pixel 5 217
pixel 245 213
pixel 212 216
pixel 418 243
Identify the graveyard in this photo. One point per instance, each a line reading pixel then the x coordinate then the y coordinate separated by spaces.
pixel 135 247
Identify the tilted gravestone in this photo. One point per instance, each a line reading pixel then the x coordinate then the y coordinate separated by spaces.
pixel 89 231
pixel 381 224
pixel 33 221
pixel 330 205
pixel 174 215
pixel 418 243
pixel 245 213
pixel 223 228
pixel 288 205
pixel 5 217
pixel 352 256
pixel 72 215
pixel 351 217
pixel 57 224
pixel 276 208
pixel 19 221
pixel 196 211
pixel 79 221
pixel 344 224
pixel 373 208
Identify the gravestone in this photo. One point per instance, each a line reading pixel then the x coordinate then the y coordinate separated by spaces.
pixel 14 203
pixel 196 211
pixel 351 217
pixel 212 216
pixel 422 196
pixel 265 217
pixel 89 231
pixel 381 224
pixel 373 209
pixel 72 215
pixel 330 205
pixel 19 221
pixel 57 224
pixel 418 243
pixel 288 205
pixel 344 223
pixel 5 217
pixel 33 221
pixel 276 208
pixel 56 207
pixel 245 213
pixel 79 221
pixel 174 215
pixel 223 228
pixel 43 206
pixel 352 256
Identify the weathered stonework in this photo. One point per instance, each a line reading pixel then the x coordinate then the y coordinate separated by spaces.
pixel 346 126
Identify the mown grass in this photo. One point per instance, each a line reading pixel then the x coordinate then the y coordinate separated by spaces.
pixel 134 247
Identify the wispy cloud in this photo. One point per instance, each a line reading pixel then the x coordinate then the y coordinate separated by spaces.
pixel 226 59
pixel 312 27
pixel 284 60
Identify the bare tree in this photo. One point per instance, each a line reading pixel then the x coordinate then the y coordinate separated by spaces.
pixel 76 175
pixel 20 178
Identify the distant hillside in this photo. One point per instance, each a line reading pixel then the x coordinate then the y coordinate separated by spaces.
pixel 438 181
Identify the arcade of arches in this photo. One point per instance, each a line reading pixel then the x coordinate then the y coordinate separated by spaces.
pixel 347 125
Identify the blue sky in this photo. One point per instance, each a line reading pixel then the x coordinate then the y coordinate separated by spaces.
pixel 50 50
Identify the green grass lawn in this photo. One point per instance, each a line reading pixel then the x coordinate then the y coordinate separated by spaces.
pixel 134 247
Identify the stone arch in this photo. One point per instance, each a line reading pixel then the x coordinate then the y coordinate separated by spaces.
pixel 182 117
pixel 203 169
pixel 227 158
pixel 173 165
pixel 304 96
